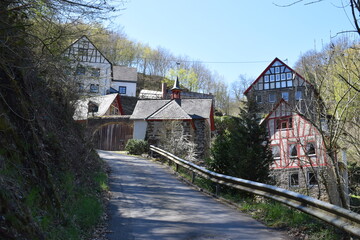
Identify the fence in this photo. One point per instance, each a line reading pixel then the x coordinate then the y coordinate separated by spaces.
pixel 339 217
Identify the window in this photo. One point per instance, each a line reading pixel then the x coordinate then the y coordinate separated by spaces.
pixel 272 97
pixel 94 88
pixel 283 76
pixel 114 110
pixel 298 95
pixel 310 149
pixel 280 76
pixel 122 90
pixel 284 123
pixel 80 70
pixel 276 151
pixel 293 150
pixel 285 96
pixel 288 76
pixel 92 107
pixel 95 72
pixel 312 179
pixel 294 180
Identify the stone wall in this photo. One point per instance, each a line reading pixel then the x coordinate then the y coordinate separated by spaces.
pixel 325 191
pixel 180 137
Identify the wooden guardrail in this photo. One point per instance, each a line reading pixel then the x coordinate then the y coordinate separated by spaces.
pixel 339 217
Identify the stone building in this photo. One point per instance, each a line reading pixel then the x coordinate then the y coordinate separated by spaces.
pixel 175 122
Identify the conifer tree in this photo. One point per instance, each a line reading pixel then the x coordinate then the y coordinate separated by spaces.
pixel 241 149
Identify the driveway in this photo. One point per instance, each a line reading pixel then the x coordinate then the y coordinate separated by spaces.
pixel 148 202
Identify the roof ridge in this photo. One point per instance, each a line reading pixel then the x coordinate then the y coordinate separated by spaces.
pixel 171 102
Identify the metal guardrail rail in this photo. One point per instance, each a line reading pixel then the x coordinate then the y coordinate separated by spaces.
pixel 339 217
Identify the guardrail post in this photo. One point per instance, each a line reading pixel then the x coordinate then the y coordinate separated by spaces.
pixel 193 175
pixel 176 167
pixel 217 189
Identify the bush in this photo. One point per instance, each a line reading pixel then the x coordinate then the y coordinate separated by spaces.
pixel 137 147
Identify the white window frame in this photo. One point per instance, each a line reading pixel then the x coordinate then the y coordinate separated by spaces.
pixel 122 87
pixel 289 76
pixel 283 76
pixel 287 96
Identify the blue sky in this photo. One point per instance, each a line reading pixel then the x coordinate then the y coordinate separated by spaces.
pixel 250 32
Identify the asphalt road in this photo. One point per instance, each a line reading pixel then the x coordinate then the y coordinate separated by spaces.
pixel 148 202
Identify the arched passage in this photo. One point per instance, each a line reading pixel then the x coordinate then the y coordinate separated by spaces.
pixel 112 136
pixel 110 133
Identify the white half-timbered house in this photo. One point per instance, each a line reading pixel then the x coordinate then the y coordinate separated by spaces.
pixel 92 71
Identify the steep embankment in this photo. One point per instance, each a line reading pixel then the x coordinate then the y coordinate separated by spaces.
pixel 50 178
pixel 49 175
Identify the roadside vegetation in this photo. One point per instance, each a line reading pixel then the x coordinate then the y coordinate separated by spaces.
pixel 51 178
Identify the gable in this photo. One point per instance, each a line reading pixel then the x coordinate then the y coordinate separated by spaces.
pixel 281 110
pixel 277 75
pixel 171 111
pixel 83 50
pixel 102 104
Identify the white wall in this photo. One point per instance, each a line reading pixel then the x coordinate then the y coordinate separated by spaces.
pixel 130 87
pixel 103 80
pixel 139 129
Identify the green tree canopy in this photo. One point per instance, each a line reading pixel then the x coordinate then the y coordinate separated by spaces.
pixel 241 148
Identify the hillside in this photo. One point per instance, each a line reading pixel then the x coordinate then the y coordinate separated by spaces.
pixel 50 176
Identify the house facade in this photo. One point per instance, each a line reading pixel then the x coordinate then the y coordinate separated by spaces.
pixel 175 121
pixel 124 80
pixel 91 70
pixel 94 74
pixel 287 105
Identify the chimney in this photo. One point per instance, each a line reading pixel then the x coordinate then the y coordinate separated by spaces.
pixel 164 90
pixel 175 91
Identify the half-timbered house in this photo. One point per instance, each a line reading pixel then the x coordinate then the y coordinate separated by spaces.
pixel 287 105
pixel 94 74
pixel 91 70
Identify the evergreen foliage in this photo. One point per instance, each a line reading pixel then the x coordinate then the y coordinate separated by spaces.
pixel 241 148
pixel 137 147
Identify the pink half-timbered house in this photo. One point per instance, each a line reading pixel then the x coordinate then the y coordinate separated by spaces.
pixel 297 147
pixel 287 105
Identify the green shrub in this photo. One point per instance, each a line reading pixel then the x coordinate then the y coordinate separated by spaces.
pixel 137 147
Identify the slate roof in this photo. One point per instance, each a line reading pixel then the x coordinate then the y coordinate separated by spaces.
pixel 177 109
pixel 171 110
pixel 124 73
pixel 104 102
pixel 128 104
